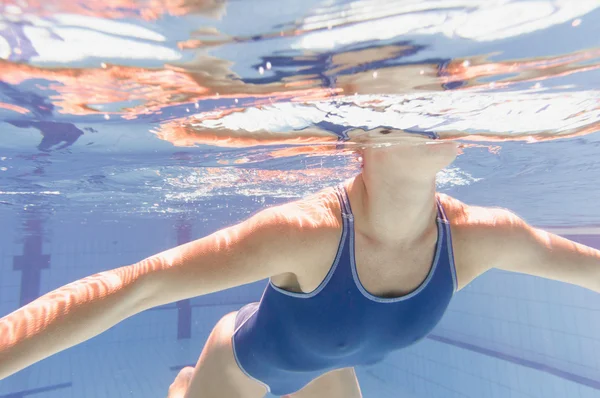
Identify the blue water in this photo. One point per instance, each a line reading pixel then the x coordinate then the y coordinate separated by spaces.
pixel 128 128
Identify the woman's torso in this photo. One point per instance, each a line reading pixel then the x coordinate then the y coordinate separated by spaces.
pixel 378 266
pixel 350 300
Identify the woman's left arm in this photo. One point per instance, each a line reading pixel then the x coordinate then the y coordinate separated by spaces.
pixel 519 247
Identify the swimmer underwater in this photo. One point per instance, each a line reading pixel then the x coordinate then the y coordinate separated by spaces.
pixel 386 255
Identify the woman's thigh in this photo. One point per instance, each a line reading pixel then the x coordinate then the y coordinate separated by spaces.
pixel 339 383
pixel 217 374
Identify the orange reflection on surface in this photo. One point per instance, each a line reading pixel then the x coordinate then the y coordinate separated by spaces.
pixel 184 135
pixel 80 90
pixel 119 9
pixel 190 132
pixel 527 137
pixel 528 70
pixel 13 108
pixel 396 79
pixel 314 150
pixel 493 149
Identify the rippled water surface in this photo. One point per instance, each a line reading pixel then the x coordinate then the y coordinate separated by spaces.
pixel 148 105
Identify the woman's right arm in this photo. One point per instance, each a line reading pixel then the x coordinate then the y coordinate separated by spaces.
pixel 244 253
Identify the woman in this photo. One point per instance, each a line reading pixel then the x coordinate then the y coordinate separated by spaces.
pixel 357 271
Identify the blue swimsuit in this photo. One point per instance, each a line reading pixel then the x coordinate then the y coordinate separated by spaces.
pixel 288 339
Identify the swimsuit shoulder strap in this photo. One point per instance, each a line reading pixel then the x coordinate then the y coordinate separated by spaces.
pixel 342 194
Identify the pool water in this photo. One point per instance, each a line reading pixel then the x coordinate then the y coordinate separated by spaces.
pixel 131 126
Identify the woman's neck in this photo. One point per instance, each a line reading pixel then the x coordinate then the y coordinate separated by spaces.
pixel 392 208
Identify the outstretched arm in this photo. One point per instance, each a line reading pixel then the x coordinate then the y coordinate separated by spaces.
pixel 83 309
pixel 68 316
pixel 515 246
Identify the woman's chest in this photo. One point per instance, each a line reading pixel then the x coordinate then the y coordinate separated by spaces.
pixel 383 270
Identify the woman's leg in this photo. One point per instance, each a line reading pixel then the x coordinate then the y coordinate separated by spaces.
pixel 216 375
